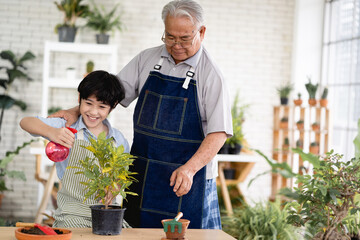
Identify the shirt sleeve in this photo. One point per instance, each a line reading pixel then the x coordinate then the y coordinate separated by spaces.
pixel 52 122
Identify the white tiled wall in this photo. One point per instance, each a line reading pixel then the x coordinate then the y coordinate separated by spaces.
pixel 250 40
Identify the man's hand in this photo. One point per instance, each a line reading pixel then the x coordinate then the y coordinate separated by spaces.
pixel 71 115
pixel 62 136
pixel 182 180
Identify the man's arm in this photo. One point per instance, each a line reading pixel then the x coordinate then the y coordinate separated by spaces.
pixel 35 126
pixel 70 115
pixel 182 178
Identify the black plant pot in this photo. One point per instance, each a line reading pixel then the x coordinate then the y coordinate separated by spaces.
pixel 235 150
pixel 224 149
pixel 67 34
pixel 107 221
pixel 102 38
pixel 229 173
pixel 284 101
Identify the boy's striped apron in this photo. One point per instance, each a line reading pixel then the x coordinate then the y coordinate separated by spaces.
pixel 72 212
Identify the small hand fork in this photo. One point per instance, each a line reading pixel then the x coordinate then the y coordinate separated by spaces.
pixel 173 223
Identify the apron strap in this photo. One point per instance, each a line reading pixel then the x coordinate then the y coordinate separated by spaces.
pixel 189 75
pixel 157 67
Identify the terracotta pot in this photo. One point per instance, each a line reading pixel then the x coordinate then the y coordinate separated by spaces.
pixel 312 102
pixel 297 102
pixel 176 234
pixel 25 236
pixel 323 102
pixel 1 197
pixel 284 125
pixel 300 126
pixel 315 127
pixel 314 149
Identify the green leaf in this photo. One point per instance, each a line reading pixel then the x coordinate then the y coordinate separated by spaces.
pixel 27 56
pixel 16 174
pixel 311 158
pixel 357 142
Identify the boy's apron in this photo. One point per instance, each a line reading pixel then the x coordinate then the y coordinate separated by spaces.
pixel 167 133
pixel 72 212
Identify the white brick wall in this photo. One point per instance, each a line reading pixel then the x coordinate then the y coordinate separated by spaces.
pixel 250 40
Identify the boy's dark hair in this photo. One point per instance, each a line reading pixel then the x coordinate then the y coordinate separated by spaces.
pixel 105 86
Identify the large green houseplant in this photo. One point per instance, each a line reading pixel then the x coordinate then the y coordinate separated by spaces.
pixel 15 70
pixel 103 22
pixel 108 176
pixel 72 10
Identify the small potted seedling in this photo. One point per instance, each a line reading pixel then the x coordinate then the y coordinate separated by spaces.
pixel 107 171
pixel 298 101
pixel 323 100
pixel 89 67
pixel 300 124
pixel 314 148
pixel 299 144
pixel 284 123
pixel 284 92
pixel 311 89
pixel 286 144
pixel 315 126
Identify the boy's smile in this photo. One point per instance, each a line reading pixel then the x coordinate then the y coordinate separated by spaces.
pixel 94 112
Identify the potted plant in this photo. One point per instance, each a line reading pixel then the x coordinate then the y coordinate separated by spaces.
pixel 284 92
pixel 284 123
pixel 89 67
pixel 13 174
pixel 103 22
pixel 314 148
pixel 72 10
pixel 298 101
pixel 300 124
pixel 237 112
pixel 13 72
pixel 315 126
pixel 323 100
pixel 108 176
pixel 260 221
pixel 311 89
pixel 286 144
pixel 299 144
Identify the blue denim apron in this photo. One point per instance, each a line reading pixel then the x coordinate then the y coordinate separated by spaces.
pixel 167 133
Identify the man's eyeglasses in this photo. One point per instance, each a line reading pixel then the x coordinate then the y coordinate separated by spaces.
pixel 170 41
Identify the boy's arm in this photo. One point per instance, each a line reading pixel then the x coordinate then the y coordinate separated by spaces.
pixel 70 115
pixel 35 126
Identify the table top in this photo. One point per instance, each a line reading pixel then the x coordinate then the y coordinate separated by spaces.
pixel 8 233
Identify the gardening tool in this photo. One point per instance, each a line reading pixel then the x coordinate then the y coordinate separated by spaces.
pixel 57 152
pixel 173 223
pixel 45 229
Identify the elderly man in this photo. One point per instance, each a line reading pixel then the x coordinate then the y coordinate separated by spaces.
pixel 181 120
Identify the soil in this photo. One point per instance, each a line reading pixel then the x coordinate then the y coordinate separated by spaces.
pixel 36 231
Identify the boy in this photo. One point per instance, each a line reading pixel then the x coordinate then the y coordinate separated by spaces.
pixel 99 93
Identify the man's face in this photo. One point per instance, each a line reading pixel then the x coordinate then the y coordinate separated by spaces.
pixel 182 29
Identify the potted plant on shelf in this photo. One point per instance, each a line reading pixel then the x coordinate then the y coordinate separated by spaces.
pixel 300 124
pixel 314 148
pixel 286 144
pixel 323 100
pixel 284 123
pixel 315 126
pixel 311 89
pixel 284 92
pixel 299 144
pixel 108 176
pixel 103 22
pixel 72 10
pixel 14 71
pixel 298 101
pixel 89 67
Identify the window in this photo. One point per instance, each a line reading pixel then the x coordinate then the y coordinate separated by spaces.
pixel 341 71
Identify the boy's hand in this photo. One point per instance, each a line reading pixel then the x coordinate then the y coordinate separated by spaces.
pixel 70 115
pixel 62 136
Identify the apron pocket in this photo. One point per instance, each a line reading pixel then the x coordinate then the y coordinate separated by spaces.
pixel 158 196
pixel 162 113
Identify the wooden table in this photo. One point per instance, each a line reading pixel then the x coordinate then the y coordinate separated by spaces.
pixel 8 233
pixel 243 163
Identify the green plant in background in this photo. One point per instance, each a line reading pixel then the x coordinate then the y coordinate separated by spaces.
pixel 89 66
pixel 324 93
pixel 107 171
pixel 4 172
pixel 285 90
pixel 72 10
pixel 53 110
pixel 103 21
pixel 311 89
pixel 263 221
pixel 14 71
pixel 238 117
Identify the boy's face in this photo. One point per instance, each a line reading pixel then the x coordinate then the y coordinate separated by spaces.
pixel 93 112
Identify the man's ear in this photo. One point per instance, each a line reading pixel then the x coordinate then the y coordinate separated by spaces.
pixel 202 32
